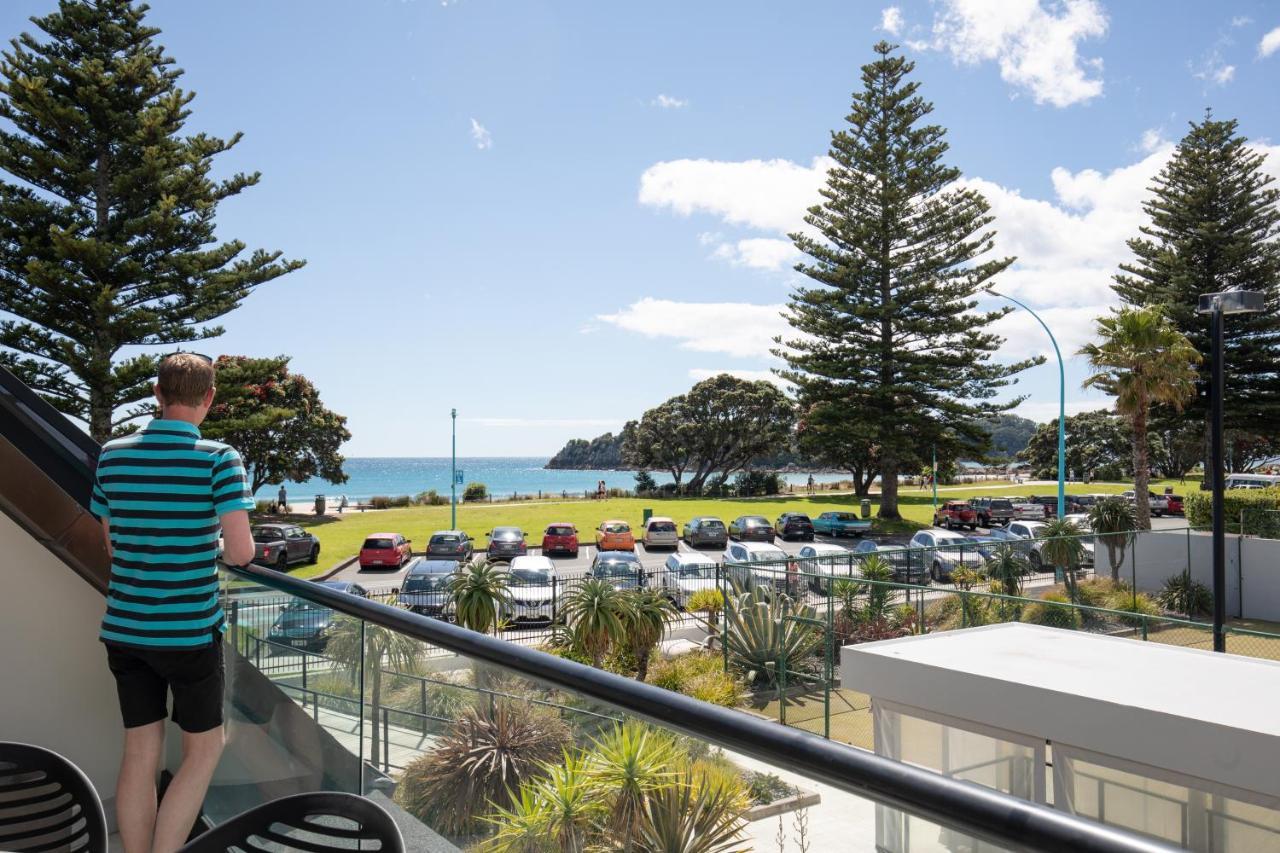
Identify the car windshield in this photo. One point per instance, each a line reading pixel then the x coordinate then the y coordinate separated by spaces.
pixel 956 543
pixel 299 605
pixel 615 569
pixel 617 528
pixel 426 583
pixel 711 523
pixel 762 556
pixel 1000 504
pixel 756 521
pixel 538 576
pixel 662 527
pixel 801 518
pixel 843 516
pixel 267 534
pixel 697 570
pixel 559 531
pixel 377 544
pixel 447 539
pixel 506 534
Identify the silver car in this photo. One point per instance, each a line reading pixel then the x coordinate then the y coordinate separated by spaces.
pixel 943 551
pixel 532 590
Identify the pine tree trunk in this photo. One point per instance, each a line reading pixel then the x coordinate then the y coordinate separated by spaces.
pixel 1141 468
pixel 888 489
pixel 99 414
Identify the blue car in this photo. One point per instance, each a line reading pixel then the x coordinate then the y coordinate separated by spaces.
pixel 841 524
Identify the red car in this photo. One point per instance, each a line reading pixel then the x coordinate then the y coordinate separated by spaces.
pixel 1175 505
pixel 385 551
pixel 954 514
pixel 560 538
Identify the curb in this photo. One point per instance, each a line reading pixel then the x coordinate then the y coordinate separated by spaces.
pixel 794 803
pixel 344 564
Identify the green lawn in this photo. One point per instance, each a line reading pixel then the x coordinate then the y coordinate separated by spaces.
pixel 341 537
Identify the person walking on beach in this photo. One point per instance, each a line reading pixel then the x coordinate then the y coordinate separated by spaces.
pixel 282 499
pixel 810 484
pixel 167 487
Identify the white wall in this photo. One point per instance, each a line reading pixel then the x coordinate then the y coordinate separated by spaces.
pixel 55 688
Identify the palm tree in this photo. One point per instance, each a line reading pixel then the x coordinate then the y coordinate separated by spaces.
pixel 1062 548
pixel 572 807
pixel 1113 522
pixel 597 614
pixel 646 622
pixel 1141 359
pixel 354 644
pixel 631 762
pixel 1006 568
pixel 694 815
pixel 479 594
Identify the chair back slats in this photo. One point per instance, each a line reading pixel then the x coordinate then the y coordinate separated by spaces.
pixel 321 822
pixel 47 804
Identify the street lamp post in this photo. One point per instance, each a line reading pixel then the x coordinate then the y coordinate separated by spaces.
pixel 453 471
pixel 1062 404
pixel 1216 305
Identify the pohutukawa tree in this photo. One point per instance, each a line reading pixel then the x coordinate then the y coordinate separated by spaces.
pixel 890 331
pixel 1214 224
pixel 107 220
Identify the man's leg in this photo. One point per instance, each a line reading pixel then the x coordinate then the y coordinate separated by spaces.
pixel 185 794
pixel 136 787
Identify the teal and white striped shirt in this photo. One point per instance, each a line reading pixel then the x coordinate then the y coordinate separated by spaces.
pixel 163 489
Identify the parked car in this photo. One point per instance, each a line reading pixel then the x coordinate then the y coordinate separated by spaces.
pixel 281 545
pixel 823 562
pixel 660 532
pixel 303 624
pixel 841 524
pixel 741 561
pixel 1025 510
pixel 1050 504
pixel 992 511
pixel 385 551
pixel 532 590
pixel 1175 505
pixel 954 514
pixel 1159 503
pixel 685 573
pixel 942 552
pixel 450 544
pixel 623 569
pixel 1027 537
pixel 705 530
pixel 794 525
pixel 506 543
pixel 751 528
pixel 615 535
pixel 560 538
pixel 426 587
pixel 908 566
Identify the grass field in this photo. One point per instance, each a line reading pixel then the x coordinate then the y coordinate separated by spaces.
pixel 341 537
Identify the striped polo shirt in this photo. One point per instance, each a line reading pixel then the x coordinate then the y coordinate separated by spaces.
pixel 162 490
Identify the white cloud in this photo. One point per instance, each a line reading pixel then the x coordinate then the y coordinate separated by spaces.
pixel 1152 140
pixel 1044 411
pixel 1212 69
pixel 1241 21
pixel 698 374
pixel 480 135
pixel 523 423
pixel 891 20
pixel 1034 45
pixel 669 102
pixel 762 253
pixel 771 195
pixel 1270 43
pixel 731 328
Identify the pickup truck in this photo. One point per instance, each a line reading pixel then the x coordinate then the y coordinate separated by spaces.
pixel 279 545
pixel 1159 503
pixel 954 514
pixel 993 511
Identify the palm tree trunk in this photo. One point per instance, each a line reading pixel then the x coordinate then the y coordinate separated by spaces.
pixel 1141 467
pixel 642 665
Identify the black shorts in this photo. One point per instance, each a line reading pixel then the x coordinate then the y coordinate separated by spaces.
pixel 144 678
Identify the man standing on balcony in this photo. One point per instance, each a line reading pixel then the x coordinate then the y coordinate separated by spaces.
pixel 163 494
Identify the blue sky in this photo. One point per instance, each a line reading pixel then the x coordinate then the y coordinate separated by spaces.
pixel 555 215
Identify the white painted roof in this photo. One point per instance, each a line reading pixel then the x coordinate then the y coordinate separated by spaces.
pixel 1193 711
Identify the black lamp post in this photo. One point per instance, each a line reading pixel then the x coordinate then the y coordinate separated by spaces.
pixel 1216 305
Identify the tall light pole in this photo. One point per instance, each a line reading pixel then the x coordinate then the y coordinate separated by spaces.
pixel 1216 305
pixel 1062 404
pixel 453 471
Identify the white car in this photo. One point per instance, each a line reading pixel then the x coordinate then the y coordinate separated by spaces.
pixel 686 573
pixel 1027 511
pixel 1027 537
pixel 742 559
pixel 823 562
pixel 532 590
pixel 660 532
pixel 943 551
pixel 1159 504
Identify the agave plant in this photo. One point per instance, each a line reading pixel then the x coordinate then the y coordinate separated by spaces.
pixel 480 590
pixel 1113 520
pixel 761 632
pixel 628 764
pixel 645 622
pixel 480 763
pixel 522 828
pixel 1062 548
pixel 597 615
pixel 695 815
pixel 559 811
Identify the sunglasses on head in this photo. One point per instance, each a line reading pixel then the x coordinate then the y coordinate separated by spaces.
pixel 196 354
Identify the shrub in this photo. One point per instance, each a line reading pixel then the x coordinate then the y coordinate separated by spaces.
pixel 1053 611
pixel 431 498
pixel 475 492
pixel 756 483
pixel 401 501
pixel 708 601
pixel 765 788
pixel 1181 594
pixel 1256 505
pixel 380 502
pixel 759 632
pixel 645 482
pixel 700 675
pixel 265 507
pixel 1140 605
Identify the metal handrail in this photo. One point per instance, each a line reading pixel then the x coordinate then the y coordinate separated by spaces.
pixel 982 812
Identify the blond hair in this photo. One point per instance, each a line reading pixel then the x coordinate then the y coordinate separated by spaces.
pixel 184 379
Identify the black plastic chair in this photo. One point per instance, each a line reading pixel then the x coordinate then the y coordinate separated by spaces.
pixel 47 803
pixel 314 823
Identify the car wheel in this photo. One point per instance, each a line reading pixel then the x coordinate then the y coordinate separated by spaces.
pixel 973 527
pixel 1037 563
pixel 573 555
pixel 315 555
pixel 282 562
pixel 935 573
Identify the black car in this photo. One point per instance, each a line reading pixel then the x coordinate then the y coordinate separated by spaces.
pixel 450 545
pixel 507 542
pixel 748 528
pixel 705 530
pixel 794 525
pixel 426 587
pixel 623 569
pixel 305 625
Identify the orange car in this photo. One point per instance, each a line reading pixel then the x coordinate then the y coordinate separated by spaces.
pixel 614 535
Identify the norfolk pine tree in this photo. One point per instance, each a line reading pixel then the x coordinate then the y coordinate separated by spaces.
pixel 107 219
pixel 1214 225
pixel 891 334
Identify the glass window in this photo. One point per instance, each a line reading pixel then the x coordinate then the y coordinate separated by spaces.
pixel 374 544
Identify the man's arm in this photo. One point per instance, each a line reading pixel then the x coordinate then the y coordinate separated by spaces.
pixel 237 541
pixel 106 534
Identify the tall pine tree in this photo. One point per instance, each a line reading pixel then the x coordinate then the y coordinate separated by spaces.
pixel 107 226
pixel 891 333
pixel 1214 223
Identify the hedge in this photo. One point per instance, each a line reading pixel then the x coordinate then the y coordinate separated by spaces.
pixel 1258 506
